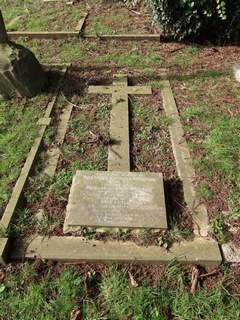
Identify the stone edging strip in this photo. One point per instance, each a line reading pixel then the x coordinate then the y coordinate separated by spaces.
pixel 17 192
pixel 54 153
pixel 75 249
pixel 183 160
pixel 66 2
pixel 81 23
pixel 75 34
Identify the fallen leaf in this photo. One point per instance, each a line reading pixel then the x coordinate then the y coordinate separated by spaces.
pixel 75 315
pixel 2 275
pixel 133 282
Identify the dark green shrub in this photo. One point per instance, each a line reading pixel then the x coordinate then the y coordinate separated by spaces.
pixel 184 19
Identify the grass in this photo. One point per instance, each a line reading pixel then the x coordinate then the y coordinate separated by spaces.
pixel 150 134
pixel 134 58
pixel 17 131
pixel 50 16
pixel 63 290
pixel 23 297
pixel 213 126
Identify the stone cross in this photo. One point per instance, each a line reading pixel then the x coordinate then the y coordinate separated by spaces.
pixel 117 198
pixel 118 155
pixel 3 32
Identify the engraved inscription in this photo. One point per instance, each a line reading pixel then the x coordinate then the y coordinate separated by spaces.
pixel 117 199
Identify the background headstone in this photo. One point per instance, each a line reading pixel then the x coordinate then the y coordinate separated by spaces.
pixel 20 72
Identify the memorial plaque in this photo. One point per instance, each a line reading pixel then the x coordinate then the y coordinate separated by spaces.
pixel 116 200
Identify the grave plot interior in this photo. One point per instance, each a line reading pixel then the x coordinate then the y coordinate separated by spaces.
pixel 117 199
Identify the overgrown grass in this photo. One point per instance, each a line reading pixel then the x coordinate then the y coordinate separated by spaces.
pixel 28 16
pixel 18 129
pixel 57 292
pixel 24 297
pixel 214 128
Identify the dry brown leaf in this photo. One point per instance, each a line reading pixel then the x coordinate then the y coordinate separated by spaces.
pixel 132 280
pixel 75 315
pixel 2 275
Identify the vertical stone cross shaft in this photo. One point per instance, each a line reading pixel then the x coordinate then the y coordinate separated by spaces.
pixel 3 32
pixel 118 153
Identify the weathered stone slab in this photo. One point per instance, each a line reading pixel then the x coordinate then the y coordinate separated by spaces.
pixel 20 72
pixel 116 199
pixel 231 253
pixel 236 72
pixel 74 249
pixel 81 23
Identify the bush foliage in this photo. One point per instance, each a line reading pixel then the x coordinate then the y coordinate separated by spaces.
pixel 184 19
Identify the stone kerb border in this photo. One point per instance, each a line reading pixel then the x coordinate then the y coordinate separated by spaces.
pixel 76 250
pixel 79 34
pixel 183 160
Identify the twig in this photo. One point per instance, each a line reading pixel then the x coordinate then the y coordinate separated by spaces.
pixel 208 274
pixel 195 274
pixel 71 103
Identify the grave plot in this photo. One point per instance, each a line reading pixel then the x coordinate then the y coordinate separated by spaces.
pixel 126 209
pixel 86 156
pixel 119 202
pixel 78 140
pixel 43 16
pixel 119 199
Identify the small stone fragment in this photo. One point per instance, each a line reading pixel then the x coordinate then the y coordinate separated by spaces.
pixel 231 253
pixel 236 72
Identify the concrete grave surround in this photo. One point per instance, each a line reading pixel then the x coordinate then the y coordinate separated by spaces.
pixel 116 200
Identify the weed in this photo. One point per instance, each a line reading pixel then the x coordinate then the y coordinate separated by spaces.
pixel 37 187
pixel 204 191
pixel 23 222
pixel 87 233
pixel 191 50
pixel 191 113
pixel 165 121
pixel 218 228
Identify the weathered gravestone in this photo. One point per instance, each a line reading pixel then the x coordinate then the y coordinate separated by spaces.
pixel 117 198
pixel 20 72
